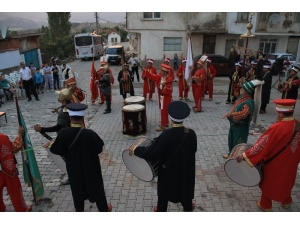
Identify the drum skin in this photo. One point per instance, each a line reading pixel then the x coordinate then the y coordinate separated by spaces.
pixel 134 119
pixel 241 173
pixel 135 100
pixel 139 167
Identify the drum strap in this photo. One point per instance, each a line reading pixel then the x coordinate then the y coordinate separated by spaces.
pixel 75 138
pixel 296 129
pixel 186 131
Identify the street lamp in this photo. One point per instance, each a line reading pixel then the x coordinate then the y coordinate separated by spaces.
pixel 248 35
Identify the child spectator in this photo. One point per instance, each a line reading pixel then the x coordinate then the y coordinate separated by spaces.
pixel 38 81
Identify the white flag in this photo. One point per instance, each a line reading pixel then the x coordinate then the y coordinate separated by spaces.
pixel 189 63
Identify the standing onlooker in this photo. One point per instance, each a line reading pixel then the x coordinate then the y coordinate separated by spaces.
pixel 47 77
pixel 1 93
pixel 38 81
pixel 266 89
pixel 55 71
pixel 175 62
pixel 134 61
pixel 5 85
pixel 33 71
pixel 27 82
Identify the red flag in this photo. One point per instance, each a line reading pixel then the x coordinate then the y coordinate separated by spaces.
pixel 93 86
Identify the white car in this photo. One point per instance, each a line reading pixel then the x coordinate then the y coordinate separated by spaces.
pixel 273 56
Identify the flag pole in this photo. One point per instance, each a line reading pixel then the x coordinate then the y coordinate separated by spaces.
pixel 24 156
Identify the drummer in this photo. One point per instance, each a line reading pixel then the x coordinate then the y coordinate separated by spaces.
pixel 83 165
pixel 280 172
pixel 175 152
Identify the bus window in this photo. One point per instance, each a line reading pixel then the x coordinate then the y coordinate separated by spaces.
pixel 83 41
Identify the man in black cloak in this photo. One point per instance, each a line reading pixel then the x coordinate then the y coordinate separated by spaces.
pixel 81 148
pixel 175 152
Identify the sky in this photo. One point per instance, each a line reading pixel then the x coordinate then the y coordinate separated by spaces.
pixel 113 17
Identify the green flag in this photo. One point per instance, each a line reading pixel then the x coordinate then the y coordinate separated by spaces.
pixel 30 165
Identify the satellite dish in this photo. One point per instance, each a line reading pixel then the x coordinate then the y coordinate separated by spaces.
pixel 273 19
pixel 3 31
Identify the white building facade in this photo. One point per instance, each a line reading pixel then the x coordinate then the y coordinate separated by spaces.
pixel 158 34
pixel 113 37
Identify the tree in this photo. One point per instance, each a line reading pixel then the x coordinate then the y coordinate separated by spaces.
pixel 122 32
pixel 57 40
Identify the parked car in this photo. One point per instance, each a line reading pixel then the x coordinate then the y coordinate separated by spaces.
pixel 273 56
pixel 218 61
pixel 114 54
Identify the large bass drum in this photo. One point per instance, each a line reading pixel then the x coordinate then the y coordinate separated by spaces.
pixel 134 119
pixel 241 173
pixel 141 168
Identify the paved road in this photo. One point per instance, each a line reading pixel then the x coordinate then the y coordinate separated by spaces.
pixel 214 191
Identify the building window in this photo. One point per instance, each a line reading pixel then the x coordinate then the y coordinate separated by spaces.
pixel 267 45
pixel 297 18
pixel 242 17
pixel 152 15
pixel 209 43
pixel 172 44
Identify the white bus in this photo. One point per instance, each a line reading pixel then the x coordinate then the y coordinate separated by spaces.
pixel 88 45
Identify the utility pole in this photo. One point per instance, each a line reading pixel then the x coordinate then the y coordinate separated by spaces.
pixel 97 20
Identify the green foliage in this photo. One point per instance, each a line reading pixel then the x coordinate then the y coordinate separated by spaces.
pixel 57 40
pixel 10 33
pixel 122 32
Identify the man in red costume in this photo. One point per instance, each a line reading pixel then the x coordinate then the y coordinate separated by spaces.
pixel 149 86
pixel 280 172
pixel 9 172
pixel 211 73
pixel 165 89
pixel 198 85
pixel 171 73
pixel 183 87
pixel 99 75
pixel 78 95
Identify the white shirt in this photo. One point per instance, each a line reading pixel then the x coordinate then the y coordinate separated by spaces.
pixel 25 73
pixel 133 61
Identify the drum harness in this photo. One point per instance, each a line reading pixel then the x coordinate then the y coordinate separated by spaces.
pixel 186 131
pixel 262 163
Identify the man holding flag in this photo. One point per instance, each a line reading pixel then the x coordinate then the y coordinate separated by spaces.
pixel 9 172
pixel 183 87
pixel 93 86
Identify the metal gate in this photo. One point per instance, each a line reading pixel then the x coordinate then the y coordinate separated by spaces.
pixel 32 56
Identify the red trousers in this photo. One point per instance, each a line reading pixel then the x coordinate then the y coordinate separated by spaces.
pixel 266 202
pixel 14 189
pixel 210 88
pixel 184 93
pixel 198 91
pixel 145 94
pixel 164 117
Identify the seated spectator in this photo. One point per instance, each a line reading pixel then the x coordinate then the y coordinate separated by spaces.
pixel 5 85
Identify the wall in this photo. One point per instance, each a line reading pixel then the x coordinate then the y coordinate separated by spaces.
pixel 9 59
pixel 113 35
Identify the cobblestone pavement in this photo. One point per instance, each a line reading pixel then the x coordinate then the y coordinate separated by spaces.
pixel 214 191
